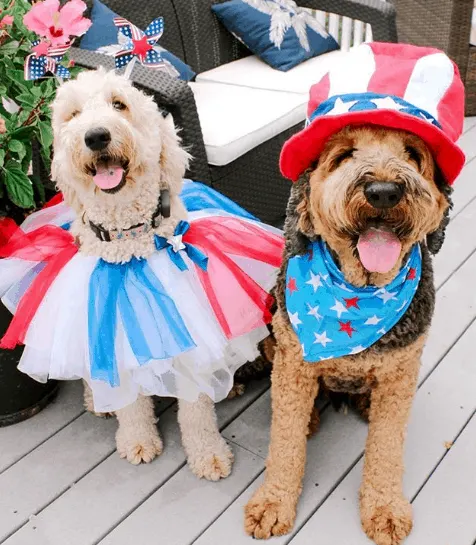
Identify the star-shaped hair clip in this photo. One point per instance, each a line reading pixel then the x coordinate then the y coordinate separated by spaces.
pixel 139 45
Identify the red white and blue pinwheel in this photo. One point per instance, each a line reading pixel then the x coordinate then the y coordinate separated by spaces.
pixel 46 60
pixel 139 44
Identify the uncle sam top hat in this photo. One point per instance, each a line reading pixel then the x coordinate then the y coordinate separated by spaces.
pixel 399 86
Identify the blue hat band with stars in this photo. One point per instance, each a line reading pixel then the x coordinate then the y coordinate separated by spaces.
pixel 365 102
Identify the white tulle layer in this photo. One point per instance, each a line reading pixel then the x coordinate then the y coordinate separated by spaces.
pixel 57 344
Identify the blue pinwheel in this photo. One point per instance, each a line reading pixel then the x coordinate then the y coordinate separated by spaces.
pixel 139 44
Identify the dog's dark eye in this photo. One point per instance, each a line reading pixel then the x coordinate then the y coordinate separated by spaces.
pixel 74 113
pixel 118 105
pixel 413 155
pixel 339 159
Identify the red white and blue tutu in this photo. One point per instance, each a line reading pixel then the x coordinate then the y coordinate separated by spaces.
pixel 179 323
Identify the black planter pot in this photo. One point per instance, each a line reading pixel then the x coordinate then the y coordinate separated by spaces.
pixel 20 396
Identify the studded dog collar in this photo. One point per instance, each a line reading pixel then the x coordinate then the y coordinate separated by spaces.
pixel 162 211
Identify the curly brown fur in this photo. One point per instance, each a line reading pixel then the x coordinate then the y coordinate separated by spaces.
pixel 328 202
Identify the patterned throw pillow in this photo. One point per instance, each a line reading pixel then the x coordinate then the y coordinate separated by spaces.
pixel 103 37
pixel 278 31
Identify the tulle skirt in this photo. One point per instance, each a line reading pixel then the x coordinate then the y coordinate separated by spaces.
pixel 146 327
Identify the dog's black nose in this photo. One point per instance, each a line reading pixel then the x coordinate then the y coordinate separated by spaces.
pixel 97 139
pixel 383 194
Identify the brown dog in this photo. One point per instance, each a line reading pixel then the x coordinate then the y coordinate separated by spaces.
pixel 330 201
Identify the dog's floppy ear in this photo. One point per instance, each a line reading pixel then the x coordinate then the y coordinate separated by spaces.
pixel 298 228
pixel 174 159
pixel 434 240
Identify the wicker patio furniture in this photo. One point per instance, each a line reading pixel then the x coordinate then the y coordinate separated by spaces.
pixel 194 34
pixel 444 24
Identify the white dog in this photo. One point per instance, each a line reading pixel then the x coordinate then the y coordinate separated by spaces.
pixel 102 123
pixel 131 290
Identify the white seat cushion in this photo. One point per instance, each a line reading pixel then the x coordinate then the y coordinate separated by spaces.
pixel 236 119
pixel 253 72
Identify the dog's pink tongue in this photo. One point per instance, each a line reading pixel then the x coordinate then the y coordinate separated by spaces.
pixel 108 177
pixel 378 250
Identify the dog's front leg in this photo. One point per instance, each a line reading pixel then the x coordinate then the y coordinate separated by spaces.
pixel 208 454
pixel 385 513
pixel 137 437
pixel 294 385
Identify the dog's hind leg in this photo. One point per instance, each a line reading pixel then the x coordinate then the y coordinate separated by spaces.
pixel 385 513
pixel 208 454
pixel 294 385
pixel 137 437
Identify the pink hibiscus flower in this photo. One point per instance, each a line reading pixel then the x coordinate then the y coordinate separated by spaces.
pixel 55 24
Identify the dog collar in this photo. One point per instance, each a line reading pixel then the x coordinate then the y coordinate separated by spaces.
pixel 333 318
pixel 162 211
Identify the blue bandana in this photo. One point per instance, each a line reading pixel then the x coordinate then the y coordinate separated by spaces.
pixel 333 318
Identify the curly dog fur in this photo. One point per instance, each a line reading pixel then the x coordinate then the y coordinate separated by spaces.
pixel 148 144
pixel 328 202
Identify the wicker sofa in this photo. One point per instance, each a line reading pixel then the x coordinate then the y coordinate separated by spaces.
pixel 194 34
pixel 444 24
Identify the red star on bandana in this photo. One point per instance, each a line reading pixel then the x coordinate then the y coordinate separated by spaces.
pixel 141 47
pixel 349 303
pixel 411 274
pixel 346 327
pixel 292 284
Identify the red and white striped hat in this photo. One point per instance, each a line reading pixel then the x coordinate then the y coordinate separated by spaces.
pixel 416 89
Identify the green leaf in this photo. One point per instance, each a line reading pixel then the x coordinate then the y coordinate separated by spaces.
pixel 26 98
pixel 9 48
pixel 4 112
pixel 2 157
pixel 36 91
pixel 48 88
pixel 23 116
pixel 18 77
pixel 19 188
pixel 17 147
pixel 46 134
pixel 26 161
pixel 75 71
pixel 22 133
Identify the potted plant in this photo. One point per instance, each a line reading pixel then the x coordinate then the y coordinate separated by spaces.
pixel 33 44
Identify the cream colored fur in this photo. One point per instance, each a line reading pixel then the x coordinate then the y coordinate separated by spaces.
pixel 150 144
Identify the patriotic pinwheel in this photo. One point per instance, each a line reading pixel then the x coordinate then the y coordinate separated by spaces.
pixel 139 44
pixel 46 59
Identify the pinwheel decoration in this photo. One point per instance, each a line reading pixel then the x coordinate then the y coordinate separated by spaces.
pixel 46 59
pixel 140 45
pixel 56 26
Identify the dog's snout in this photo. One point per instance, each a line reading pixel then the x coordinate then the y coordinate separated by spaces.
pixel 383 194
pixel 97 139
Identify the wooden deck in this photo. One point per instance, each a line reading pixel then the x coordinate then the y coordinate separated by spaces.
pixel 62 483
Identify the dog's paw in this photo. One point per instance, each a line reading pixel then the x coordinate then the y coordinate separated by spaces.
pixel 143 447
pixel 271 512
pixel 101 415
pixel 213 462
pixel 387 524
pixel 237 390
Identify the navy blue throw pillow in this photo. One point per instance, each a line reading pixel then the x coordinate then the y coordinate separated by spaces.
pixel 278 31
